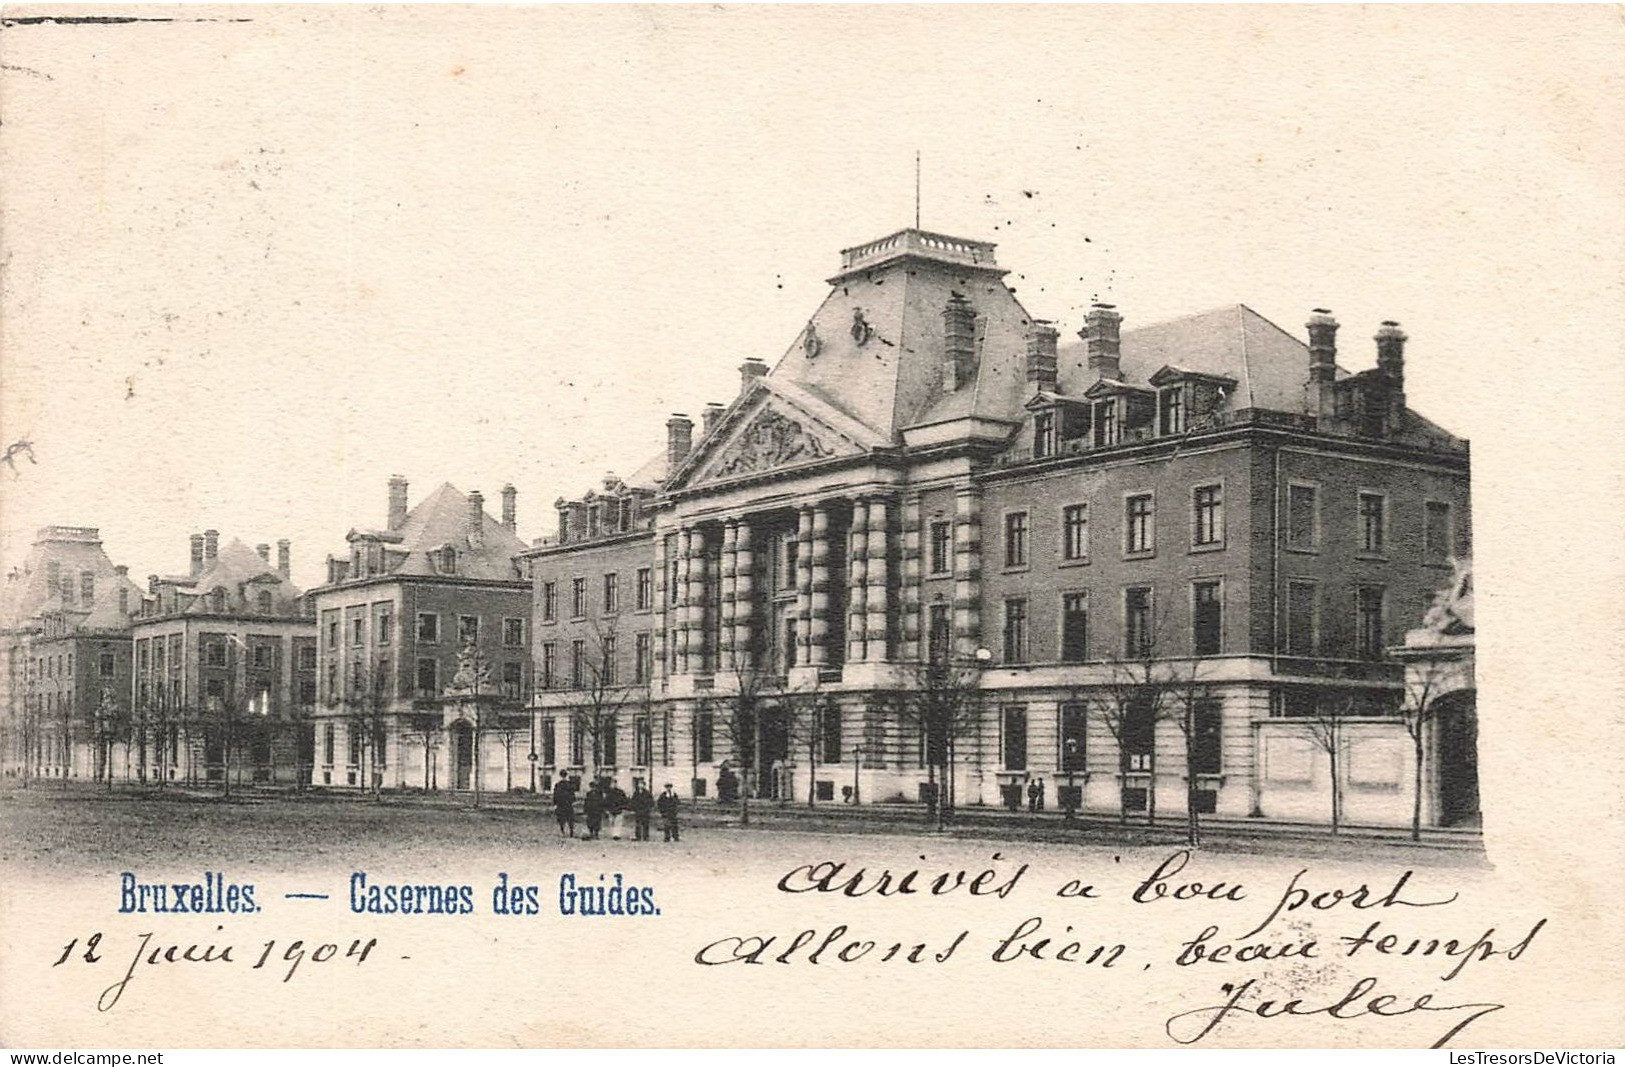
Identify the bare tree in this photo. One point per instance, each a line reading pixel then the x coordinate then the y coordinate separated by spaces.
pixel 1145 686
pixel 604 691
pixel 944 703
pixel 1324 725
pixel 1189 702
pixel 366 708
pixel 754 691
pixel 807 711
pixel 1419 711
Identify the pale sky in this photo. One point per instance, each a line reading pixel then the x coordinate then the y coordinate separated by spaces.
pixel 254 268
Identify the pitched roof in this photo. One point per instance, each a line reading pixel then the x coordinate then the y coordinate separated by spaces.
pixel 26 593
pixel 441 519
pixel 235 568
pixel 1270 366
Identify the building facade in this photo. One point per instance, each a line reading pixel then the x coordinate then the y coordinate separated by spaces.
pixel 65 655
pixel 224 671
pixel 934 552
pixel 424 650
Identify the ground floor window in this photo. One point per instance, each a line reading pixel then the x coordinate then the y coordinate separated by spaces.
pixel 1014 738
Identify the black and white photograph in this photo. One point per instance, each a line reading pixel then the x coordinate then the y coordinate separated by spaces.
pixel 585 526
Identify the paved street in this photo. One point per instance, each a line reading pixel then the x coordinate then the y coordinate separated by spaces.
pixel 80 827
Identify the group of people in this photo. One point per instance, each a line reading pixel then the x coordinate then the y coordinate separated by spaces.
pixel 607 801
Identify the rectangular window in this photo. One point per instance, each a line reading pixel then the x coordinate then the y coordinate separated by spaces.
pixel 578 598
pixel 428 628
pixel 1015 631
pixel 942 547
pixel 1171 403
pixel 643 664
pixel 1075 531
pixel 550 601
pixel 1015 539
pixel 333 632
pixel 1139 734
pixel 940 634
pixel 1206 737
pixel 829 732
pixel 358 630
pixel 578 738
pixel 513 681
pixel 214 653
pixel 1074 627
pixel 307 657
pixel 550 743
pixel 1368 621
pixel 513 633
pixel 1207 515
pixel 1301 601
pixel 578 663
pixel 1013 738
pixel 1436 539
pixel 107 665
pixel 87 588
pixel 264 655
pixel 1207 617
pixel 646 588
pixel 1074 733
pixel 1105 423
pixel 307 692
pixel 1139 531
pixel 643 741
pixel 608 740
pixel 1043 434
pixel 550 665
pixel 612 593
pixel 428 685
pixel 705 731
pixel 1137 630
pixel 327 745
pixel 468 629
pixel 386 627
pixel 1303 518
pixel 1371 522
pixel 607 667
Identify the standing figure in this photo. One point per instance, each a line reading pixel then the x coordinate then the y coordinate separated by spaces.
pixel 1033 793
pixel 667 804
pixel 643 806
pixel 593 807
pixel 615 802
pixel 564 806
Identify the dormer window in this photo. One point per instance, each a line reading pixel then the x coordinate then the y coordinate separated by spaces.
pixel 1043 434
pixel 1171 410
pixel 1106 422
pixel 445 560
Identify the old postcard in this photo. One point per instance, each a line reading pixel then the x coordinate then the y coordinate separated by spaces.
pixel 811 526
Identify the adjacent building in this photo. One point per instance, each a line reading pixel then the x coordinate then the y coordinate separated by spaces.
pixel 224 671
pixel 65 656
pixel 933 551
pixel 423 652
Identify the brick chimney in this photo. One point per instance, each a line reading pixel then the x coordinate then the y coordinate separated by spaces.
pixel 510 508
pixel 197 555
pixel 264 551
pixel 211 547
pixel 679 439
pixel 1042 369
pixel 397 501
pixel 712 413
pixel 282 566
pixel 1102 337
pixel 123 574
pixel 958 342
pixel 476 519
pixel 1391 353
pixel 749 371
pixel 1322 329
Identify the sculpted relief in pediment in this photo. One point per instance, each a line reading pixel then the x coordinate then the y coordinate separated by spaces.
pixel 770 440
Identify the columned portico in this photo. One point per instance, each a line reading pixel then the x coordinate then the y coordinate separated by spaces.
pixel 857 584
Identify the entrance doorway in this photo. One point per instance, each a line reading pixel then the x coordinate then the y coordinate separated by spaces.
pixel 774 738
pixel 462 756
pixel 1457 717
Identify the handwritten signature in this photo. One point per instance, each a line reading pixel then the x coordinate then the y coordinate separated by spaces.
pixel 1190 1027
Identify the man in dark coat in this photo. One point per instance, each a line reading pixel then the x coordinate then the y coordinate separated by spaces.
pixel 593 807
pixel 667 805
pixel 643 806
pixel 615 803
pixel 564 806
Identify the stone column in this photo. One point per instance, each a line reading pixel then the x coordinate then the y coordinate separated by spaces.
pixel 729 605
pixel 662 605
pixel 682 631
pixel 744 595
pixel 967 570
pixel 804 539
pixel 698 564
pixel 857 583
pixel 879 578
pixel 911 579
pixel 818 628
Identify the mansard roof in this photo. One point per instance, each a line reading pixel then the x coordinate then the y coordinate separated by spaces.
pixel 240 573
pixel 27 595
pixel 441 520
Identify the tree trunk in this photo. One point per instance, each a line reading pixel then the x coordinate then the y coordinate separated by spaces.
pixel 1416 798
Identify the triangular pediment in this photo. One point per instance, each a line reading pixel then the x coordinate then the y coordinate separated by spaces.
pixel 766 432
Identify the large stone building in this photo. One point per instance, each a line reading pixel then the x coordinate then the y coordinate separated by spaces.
pixel 932 547
pixel 423 650
pixel 65 656
pixel 224 671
